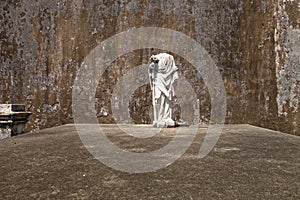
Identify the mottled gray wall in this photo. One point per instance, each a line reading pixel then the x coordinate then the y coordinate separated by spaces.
pixel 287 37
pixel 255 45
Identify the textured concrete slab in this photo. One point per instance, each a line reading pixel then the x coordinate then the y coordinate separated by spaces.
pixel 247 163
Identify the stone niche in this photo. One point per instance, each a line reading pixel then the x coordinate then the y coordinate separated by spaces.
pixel 13 119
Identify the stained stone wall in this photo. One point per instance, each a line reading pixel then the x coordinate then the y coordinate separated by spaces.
pixel 255 45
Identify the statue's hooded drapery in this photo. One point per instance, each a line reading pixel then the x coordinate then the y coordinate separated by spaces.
pixel 163 73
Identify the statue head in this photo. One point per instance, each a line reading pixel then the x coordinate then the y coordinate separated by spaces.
pixel 164 61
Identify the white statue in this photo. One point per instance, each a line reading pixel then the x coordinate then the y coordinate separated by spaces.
pixel 162 73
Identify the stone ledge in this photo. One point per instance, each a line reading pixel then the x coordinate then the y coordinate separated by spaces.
pixel 13 119
pixel 8 108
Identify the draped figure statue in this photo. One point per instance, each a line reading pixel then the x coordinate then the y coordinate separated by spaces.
pixel 162 74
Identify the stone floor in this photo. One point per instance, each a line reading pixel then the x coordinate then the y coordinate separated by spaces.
pixel 247 163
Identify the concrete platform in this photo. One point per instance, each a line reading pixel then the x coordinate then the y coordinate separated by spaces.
pixel 247 163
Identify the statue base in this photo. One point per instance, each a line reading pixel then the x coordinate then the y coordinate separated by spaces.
pixel 181 123
pixel 169 123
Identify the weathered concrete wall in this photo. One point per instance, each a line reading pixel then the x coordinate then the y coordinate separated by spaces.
pixel 44 43
pixel 287 38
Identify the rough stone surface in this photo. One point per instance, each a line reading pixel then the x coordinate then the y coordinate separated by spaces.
pixel 5 132
pixel 254 43
pixel 247 163
pixel 287 40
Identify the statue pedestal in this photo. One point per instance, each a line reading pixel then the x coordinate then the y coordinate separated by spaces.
pixel 13 119
pixel 167 123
